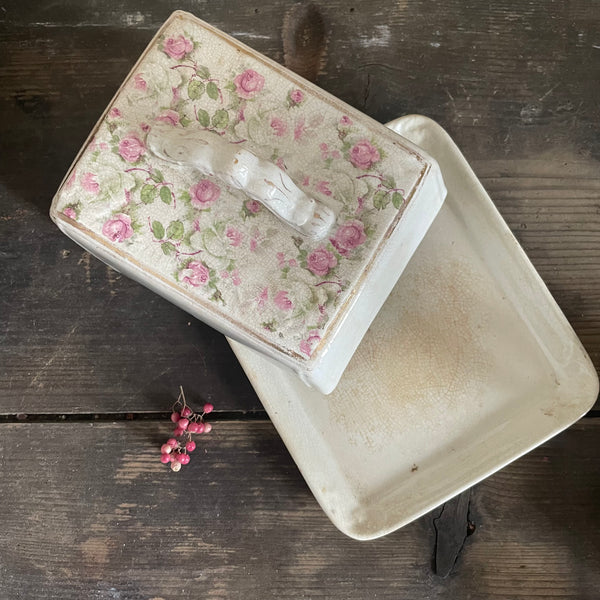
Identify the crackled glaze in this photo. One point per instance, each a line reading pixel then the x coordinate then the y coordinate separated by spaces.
pixel 209 239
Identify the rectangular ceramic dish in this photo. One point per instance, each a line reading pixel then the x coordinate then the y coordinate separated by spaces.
pixel 469 365
pixel 207 246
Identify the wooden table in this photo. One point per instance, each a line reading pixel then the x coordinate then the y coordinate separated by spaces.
pixel 90 361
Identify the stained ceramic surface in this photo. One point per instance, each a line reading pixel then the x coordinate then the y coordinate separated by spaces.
pixel 469 365
pixel 285 293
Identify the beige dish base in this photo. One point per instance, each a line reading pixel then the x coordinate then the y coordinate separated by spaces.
pixel 469 365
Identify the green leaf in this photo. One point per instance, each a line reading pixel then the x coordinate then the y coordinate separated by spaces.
pixel 389 182
pixel 175 230
pixel 397 199
pixel 212 90
pixel 157 176
pixel 381 199
pixel 148 193
pixel 203 72
pixel 185 121
pixel 220 119
pixel 185 196
pixel 195 89
pixel 167 248
pixel 165 194
pixel 203 117
pixel 220 227
pixel 158 230
pixel 230 86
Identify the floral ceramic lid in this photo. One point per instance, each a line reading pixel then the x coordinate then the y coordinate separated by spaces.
pixel 225 252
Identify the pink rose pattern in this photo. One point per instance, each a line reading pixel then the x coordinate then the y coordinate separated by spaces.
pixel 347 149
pixel 89 183
pixel 248 84
pixel 204 193
pixel 169 116
pixel 321 261
pixel 118 229
pixel 350 235
pixel 195 274
pixel 131 148
pixel 364 155
pixel 178 47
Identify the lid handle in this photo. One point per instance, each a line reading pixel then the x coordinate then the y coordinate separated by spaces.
pixel 259 179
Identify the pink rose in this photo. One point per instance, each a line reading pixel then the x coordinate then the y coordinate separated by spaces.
pixel 235 236
pixel 235 277
pixel 131 148
pixel 145 127
pixel 89 183
pixel 178 47
pixel 253 206
pixel 320 261
pixel 323 188
pixel 364 155
pixel 345 121
pixel 169 116
pixel 115 113
pixel 248 83
pixel 299 129
pixel 196 274
pixel 282 301
pixel 70 212
pixel 262 298
pixel 350 235
pixel 139 83
pixel 118 229
pixel 253 245
pixel 204 193
pixel 306 345
pixel 296 96
pixel 278 126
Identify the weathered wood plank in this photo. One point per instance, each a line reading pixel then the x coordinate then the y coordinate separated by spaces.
pixel 89 512
pixel 516 86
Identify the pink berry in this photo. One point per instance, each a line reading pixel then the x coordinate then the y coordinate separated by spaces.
pixel 201 427
pixel 177 456
pixel 166 449
pixel 190 446
pixel 178 431
pixel 183 424
pixel 184 459
pixel 193 427
pixel 186 412
pixel 208 408
pixel 165 458
pixel 176 466
pixel 175 417
pixel 172 442
pixel 207 427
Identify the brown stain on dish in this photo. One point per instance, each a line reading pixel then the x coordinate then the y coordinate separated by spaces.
pixel 430 353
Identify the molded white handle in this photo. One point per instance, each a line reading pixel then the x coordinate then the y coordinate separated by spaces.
pixel 260 180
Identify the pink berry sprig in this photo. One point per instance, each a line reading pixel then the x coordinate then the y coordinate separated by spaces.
pixel 176 452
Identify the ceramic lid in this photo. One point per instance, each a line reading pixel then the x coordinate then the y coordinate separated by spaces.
pixel 209 240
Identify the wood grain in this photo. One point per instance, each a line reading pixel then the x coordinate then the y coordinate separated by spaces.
pixel 517 86
pixel 89 512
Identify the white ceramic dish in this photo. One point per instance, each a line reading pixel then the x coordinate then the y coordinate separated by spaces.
pixel 469 365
